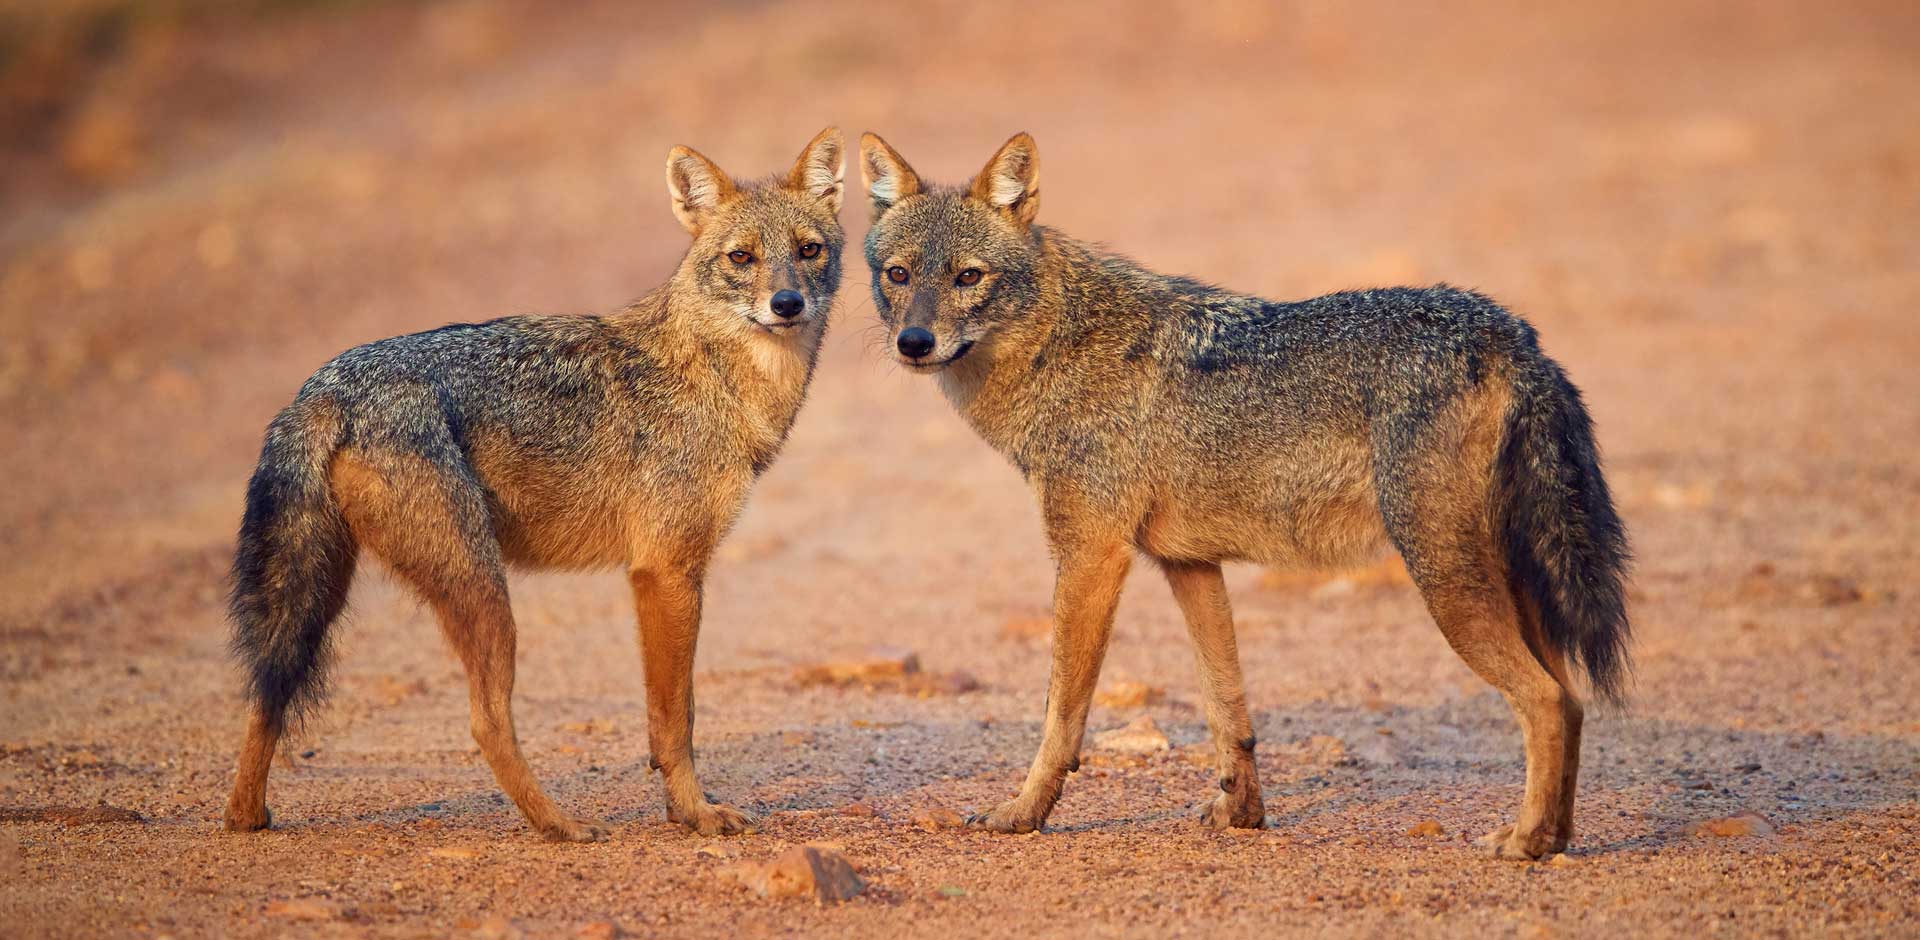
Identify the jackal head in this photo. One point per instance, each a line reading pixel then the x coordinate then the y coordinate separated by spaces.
pixel 950 265
pixel 766 253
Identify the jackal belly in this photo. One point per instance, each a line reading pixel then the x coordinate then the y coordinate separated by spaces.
pixel 556 526
pixel 601 512
pixel 1315 514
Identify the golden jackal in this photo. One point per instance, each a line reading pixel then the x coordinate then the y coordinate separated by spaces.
pixel 1196 426
pixel 545 442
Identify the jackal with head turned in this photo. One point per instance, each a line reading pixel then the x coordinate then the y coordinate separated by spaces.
pixel 1196 426
pixel 545 442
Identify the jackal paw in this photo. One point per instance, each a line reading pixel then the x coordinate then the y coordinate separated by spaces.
pixel 568 829
pixel 249 819
pixel 1508 843
pixel 1013 817
pixel 715 819
pixel 1234 810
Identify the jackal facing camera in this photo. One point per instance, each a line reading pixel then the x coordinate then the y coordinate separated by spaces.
pixel 626 440
pixel 1193 425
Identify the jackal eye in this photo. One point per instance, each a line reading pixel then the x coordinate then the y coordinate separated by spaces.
pixel 897 274
pixel 810 250
pixel 739 257
pixel 968 278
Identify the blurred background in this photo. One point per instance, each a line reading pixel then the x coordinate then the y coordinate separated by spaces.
pixel 1708 209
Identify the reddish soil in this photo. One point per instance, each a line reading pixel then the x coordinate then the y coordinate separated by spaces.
pixel 1708 211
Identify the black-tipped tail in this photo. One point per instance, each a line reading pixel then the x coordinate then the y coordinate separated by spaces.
pixel 1566 547
pixel 293 565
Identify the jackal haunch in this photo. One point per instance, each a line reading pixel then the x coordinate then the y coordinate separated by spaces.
pixel 1194 425
pixel 545 442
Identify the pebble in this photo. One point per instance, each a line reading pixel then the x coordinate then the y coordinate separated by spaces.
pixel 1140 736
pixel 1741 824
pixel 1130 694
pixel 936 818
pixel 805 871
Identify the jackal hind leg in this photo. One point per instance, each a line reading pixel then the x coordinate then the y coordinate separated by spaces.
pixel 1475 612
pixel 1575 715
pixel 247 804
pixel 429 522
pixel 1202 595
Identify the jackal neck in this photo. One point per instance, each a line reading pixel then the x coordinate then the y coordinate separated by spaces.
pixel 724 359
pixel 1087 339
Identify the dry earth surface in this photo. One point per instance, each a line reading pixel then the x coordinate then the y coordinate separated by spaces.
pixel 1708 211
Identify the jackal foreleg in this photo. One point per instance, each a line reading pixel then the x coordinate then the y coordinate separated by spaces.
pixel 668 603
pixel 1085 595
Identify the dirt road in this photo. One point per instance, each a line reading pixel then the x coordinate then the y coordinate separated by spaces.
pixel 1708 212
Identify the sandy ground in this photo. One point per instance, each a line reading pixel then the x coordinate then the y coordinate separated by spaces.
pixel 1708 212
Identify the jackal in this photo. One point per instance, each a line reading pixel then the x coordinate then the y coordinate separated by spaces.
pixel 545 442
pixel 1195 426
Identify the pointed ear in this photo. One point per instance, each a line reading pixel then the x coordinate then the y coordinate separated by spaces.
pixel 888 177
pixel 697 186
pixel 820 168
pixel 1011 181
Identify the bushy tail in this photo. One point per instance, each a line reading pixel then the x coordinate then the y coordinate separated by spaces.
pixel 293 565
pixel 1566 548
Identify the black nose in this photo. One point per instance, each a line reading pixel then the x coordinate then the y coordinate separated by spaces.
pixel 915 342
pixel 789 303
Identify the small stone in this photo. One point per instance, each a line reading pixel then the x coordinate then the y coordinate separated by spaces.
pixel 1130 694
pixel 455 851
pixel 599 930
pixel 1428 829
pixel 805 871
pixel 393 689
pixel 303 909
pixel 858 810
pixel 936 818
pixel 591 726
pixel 1834 591
pixel 1562 860
pixel 1742 824
pixel 715 850
pixel 1141 736
pixel 930 684
pixel 880 665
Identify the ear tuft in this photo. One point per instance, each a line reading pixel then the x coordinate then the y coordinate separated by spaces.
pixel 888 177
pixel 820 168
pixel 697 186
pixel 1011 180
